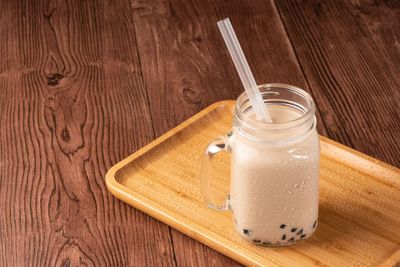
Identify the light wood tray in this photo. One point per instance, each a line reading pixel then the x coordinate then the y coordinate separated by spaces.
pixel 359 219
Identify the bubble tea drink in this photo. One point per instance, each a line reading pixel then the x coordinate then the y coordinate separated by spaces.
pixel 274 167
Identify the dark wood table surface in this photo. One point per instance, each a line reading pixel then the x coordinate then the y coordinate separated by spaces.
pixel 83 84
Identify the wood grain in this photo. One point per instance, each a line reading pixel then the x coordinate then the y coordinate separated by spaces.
pixel 185 63
pixel 186 67
pixel 350 54
pixel 83 84
pixel 71 106
pixel 359 213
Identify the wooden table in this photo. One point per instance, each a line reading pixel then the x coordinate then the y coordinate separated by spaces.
pixel 83 84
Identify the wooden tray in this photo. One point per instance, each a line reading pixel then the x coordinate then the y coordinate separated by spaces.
pixel 359 219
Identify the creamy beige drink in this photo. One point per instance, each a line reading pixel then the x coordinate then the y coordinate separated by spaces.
pixel 274 187
pixel 274 167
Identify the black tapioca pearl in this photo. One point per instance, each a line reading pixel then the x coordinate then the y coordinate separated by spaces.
pixel 315 223
pixel 282 226
pixel 302 236
pixel 284 237
pixel 247 232
pixel 293 229
pixel 257 241
pixel 291 239
pixel 300 232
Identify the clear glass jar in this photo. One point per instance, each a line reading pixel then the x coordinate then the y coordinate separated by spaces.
pixel 274 167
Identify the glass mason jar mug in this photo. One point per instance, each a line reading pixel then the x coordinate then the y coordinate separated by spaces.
pixel 274 187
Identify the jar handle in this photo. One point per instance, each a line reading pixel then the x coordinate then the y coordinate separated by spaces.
pixel 214 147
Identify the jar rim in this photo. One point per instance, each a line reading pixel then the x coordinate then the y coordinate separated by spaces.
pixel 309 111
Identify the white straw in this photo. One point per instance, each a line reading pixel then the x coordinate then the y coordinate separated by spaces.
pixel 243 69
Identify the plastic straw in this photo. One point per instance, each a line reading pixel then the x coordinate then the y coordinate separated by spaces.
pixel 243 69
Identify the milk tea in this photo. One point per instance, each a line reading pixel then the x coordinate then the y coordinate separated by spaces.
pixel 274 187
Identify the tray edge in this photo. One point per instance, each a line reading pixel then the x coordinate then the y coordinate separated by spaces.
pixel 110 175
pixel 119 191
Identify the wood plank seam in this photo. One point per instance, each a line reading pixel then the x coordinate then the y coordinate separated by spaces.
pixel 325 129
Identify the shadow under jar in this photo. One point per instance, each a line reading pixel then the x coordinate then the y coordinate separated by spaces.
pixel 274 167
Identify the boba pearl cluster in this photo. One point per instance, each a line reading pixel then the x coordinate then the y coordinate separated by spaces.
pixel 288 234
